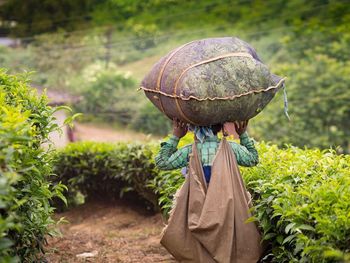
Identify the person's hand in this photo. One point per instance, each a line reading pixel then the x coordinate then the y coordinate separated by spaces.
pixel 229 129
pixel 179 128
pixel 241 127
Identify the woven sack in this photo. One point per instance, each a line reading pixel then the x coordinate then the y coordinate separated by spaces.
pixel 211 81
pixel 208 222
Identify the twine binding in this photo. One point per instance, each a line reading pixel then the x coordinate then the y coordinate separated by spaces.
pixel 277 86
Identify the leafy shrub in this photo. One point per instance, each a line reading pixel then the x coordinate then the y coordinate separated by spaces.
pixel 150 120
pixel 104 170
pixel 25 211
pixel 145 35
pixel 318 96
pixel 301 202
pixel 101 170
pixel 165 184
pixel 301 196
pixel 111 96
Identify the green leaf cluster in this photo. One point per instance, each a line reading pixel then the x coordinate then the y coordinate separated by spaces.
pixel 317 87
pixel 49 15
pixel 305 41
pixel 107 171
pixel 25 193
pixel 111 96
pixel 302 203
pixel 301 196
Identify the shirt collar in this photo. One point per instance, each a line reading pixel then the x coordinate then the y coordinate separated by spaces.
pixel 212 139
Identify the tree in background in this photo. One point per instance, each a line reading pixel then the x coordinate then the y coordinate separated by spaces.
pixel 25 167
pixel 110 95
pixel 31 17
pixel 319 95
pixel 306 41
pixel 150 120
pixel 314 57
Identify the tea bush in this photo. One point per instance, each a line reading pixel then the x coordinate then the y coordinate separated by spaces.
pixel 301 196
pixel 25 211
pixel 301 202
pixel 107 171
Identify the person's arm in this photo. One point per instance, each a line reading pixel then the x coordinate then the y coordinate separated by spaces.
pixel 169 157
pixel 245 152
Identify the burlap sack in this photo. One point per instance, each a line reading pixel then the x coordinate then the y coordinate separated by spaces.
pixel 211 81
pixel 207 224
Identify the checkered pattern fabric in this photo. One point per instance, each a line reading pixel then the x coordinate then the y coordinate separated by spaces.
pixel 169 157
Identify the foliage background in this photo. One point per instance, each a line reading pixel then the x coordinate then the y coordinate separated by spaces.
pixel 306 41
pixel 25 192
pixel 300 195
pixel 102 49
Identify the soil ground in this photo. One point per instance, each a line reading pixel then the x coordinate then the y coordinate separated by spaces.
pixel 106 232
pixel 104 133
pixel 110 232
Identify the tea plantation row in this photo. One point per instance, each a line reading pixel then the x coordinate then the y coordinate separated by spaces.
pixel 25 192
pixel 301 197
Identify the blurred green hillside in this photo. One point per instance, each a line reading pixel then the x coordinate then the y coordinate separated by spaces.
pixel 85 46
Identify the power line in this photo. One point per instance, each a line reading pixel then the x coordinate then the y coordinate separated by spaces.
pixel 298 41
pixel 164 36
pixel 198 9
pixel 108 26
pixel 264 18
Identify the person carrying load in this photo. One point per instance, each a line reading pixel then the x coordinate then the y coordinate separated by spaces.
pixel 207 224
pixel 200 86
pixel 169 157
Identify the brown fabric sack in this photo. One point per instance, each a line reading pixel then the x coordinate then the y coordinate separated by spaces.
pixel 211 81
pixel 208 224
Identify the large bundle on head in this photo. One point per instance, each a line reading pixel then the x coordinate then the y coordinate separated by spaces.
pixel 211 81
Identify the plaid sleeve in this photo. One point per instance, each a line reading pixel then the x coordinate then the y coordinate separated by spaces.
pixel 169 157
pixel 246 153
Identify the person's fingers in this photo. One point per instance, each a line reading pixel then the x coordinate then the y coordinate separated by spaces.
pixel 176 123
pixel 236 125
pixel 224 129
pixel 246 124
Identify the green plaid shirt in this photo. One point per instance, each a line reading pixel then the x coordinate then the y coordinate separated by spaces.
pixel 169 157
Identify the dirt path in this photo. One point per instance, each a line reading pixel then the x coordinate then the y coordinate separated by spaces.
pixel 109 233
pixel 102 232
pixel 103 133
